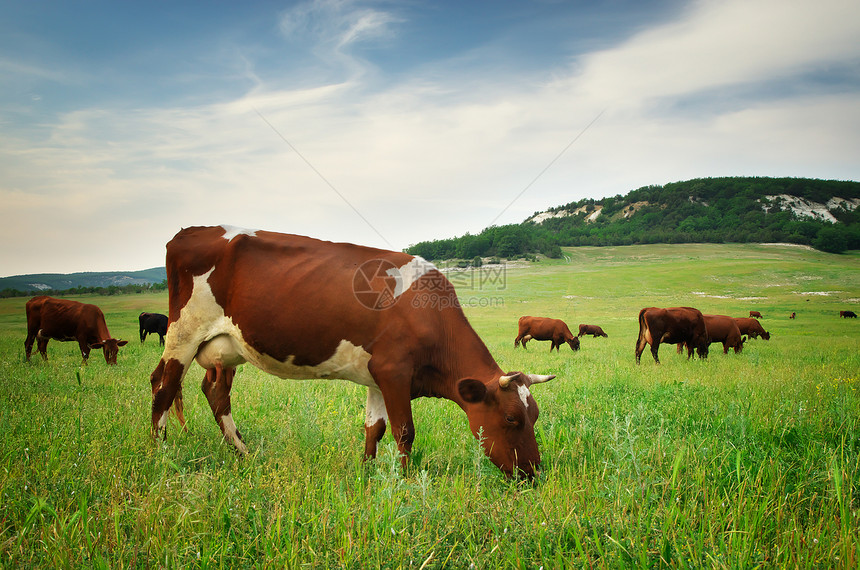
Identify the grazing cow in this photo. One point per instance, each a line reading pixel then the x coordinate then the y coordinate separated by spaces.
pixel 791 316
pixel 593 330
pixel 755 314
pixel 751 328
pixel 64 320
pixel 673 326
pixel 302 308
pixel 542 328
pixel 154 323
pixel 848 314
pixel 725 330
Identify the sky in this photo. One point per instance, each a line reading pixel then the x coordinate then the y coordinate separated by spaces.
pixel 387 123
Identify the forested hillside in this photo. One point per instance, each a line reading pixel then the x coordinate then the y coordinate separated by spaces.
pixel 821 213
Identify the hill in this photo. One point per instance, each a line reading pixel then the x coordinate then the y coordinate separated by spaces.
pixel 81 282
pixel 820 213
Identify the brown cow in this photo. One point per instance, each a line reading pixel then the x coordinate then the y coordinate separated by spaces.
pixel 543 328
pixel 755 314
pixel 673 326
pixel 60 319
pixel 848 314
pixel 725 330
pixel 791 316
pixel 593 330
pixel 298 307
pixel 752 328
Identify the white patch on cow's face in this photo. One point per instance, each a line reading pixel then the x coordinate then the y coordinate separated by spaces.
pixel 162 421
pixel 408 274
pixel 524 393
pixel 233 231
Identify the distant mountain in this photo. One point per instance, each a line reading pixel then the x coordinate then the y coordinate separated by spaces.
pixel 824 214
pixel 62 282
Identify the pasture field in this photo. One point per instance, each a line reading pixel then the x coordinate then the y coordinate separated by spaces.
pixel 740 460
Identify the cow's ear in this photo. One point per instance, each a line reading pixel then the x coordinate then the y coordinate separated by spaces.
pixel 96 345
pixel 121 342
pixel 471 390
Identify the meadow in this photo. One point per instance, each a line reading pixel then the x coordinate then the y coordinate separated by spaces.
pixel 736 461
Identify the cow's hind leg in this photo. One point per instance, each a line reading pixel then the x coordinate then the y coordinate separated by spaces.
pixel 42 345
pixel 166 382
pixel 654 348
pixel 28 345
pixel 216 386
pixel 640 347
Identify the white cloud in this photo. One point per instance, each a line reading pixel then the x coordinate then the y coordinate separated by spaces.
pixel 718 43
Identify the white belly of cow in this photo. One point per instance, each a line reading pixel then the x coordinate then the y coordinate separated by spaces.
pixel 349 362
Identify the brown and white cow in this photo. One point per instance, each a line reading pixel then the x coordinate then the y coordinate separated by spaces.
pixel 752 328
pixel 676 325
pixel 755 314
pixel 301 308
pixel 725 330
pixel 593 330
pixel 64 320
pixel 543 328
pixel 792 315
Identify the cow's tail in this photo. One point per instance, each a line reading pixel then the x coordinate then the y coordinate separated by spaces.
pixel 642 339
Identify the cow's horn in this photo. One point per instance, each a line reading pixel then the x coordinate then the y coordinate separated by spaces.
pixel 539 378
pixel 505 381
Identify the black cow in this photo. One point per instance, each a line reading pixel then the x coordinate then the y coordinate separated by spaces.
pixel 153 323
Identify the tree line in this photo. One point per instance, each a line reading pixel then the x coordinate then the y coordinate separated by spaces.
pixel 109 290
pixel 707 210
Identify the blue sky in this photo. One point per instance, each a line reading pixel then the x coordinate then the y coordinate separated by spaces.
pixel 388 123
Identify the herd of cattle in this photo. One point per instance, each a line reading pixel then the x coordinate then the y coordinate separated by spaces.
pixel 223 281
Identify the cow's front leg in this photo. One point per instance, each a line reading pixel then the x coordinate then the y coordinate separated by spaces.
pixel 216 386
pixel 395 386
pixel 374 422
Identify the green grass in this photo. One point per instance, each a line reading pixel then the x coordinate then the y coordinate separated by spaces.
pixel 736 461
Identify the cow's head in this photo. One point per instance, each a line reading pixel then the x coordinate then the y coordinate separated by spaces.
pixel 765 335
pixel 504 413
pixel 573 343
pixel 110 347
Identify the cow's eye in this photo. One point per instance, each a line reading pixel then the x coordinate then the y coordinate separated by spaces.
pixel 511 419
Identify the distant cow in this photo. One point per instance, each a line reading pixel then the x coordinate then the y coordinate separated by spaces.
pixel 593 330
pixel 153 323
pixel 542 328
pixel 64 320
pixel 673 326
pixel 791 316
pixel 752 328
pixel 755 314
pixel 848 314
pixel 725 330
